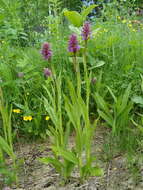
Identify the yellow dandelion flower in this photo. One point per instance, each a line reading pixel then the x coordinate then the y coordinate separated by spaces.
pixel 16 110
pixel 134 30
pixel 27 118
pixel 30 118
pixel 47 118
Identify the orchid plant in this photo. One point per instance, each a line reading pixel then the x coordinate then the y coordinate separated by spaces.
pixel 65 158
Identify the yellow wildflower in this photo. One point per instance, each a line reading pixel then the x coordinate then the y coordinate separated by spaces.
pixel 130 25
pixel 27 118
pixel 134 30
pixel 118 17
pixel 47 118
pixel 30 118
pixel 16 110
pixel 124 21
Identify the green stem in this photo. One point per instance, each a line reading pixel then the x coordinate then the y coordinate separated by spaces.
pixel 86 75
pixel 77 70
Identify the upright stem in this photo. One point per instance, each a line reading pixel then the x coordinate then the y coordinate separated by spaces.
pixel 87 124
pixel 86 74
pixel 77 70
pixel 75 62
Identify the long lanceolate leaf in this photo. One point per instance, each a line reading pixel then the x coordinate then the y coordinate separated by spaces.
pixel 102 104
pixel 6 148
pixel 54 162
pixel 6 117
pixel 68 155
pixel 124 101
pixel 112 94
pixel 106 117
pixel 53 105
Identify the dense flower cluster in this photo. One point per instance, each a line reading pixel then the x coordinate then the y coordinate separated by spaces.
pixel 73 44
pixel 46 51
pixel 86 31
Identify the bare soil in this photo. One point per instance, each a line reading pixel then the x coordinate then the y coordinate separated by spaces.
pixel 117 174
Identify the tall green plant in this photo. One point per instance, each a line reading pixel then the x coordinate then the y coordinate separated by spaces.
pixel 77 19
pixel 116 114
pixel 74 111
pixel 78 114
pixel 6 143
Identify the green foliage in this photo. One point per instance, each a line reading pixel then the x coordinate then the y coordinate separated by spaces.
pixel 77 116
pixel 54 107
pixel 76 18
pixel 6 142
pixel 117 113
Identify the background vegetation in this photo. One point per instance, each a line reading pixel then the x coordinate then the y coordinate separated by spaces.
pixel 107 89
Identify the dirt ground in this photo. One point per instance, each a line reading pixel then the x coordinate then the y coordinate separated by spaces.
pixel 34 175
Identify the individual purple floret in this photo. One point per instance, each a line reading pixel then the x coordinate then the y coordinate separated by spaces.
pixel 46 51
pixel 47 72
pixel 86 31
pixel 73 44
pixel 20 75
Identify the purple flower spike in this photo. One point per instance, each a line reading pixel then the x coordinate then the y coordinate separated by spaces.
pixel 47 72
pixel 86 31
pixel 73 44
pixel 46 51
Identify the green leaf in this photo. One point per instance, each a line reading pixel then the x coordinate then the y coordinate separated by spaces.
pixel 99 64
pixel 141 82
pixel 125 100
pixel 68 168
pixel 104 116
pixel 138 100
pixel 54 162
pixel 68 155
pixel 4 146
pixel 74 17
pixel 137 125
pixel 87 10
pixel 101 103
pixel 112 94
pixel 95 171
